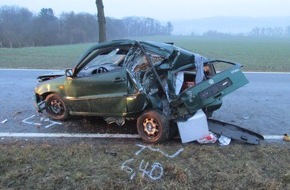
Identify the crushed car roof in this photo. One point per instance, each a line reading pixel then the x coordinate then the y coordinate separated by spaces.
pixel 161 48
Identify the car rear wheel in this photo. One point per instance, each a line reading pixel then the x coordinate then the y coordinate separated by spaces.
pixel 55 107
pixel 173 130
pixel 153 126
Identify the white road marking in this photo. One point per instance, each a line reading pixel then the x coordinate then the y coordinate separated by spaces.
pixel 88 135
pixel 273 137
pixel 68 135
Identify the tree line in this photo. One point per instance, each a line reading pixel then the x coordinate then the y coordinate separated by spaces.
pixel 270 32
pixel 263 32
pixel 20 27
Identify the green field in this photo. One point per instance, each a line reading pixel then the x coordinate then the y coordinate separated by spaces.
pixel 256 54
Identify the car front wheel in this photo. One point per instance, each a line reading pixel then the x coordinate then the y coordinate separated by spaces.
pixel 55 107
pixel 153 127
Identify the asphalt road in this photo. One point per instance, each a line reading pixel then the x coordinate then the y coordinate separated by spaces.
pixel 262 105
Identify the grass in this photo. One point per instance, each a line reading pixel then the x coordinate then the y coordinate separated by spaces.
pixel 96 164
pixel 51 57
pixel 256 54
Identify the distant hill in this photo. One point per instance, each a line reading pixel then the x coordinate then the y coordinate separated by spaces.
pixel 234 25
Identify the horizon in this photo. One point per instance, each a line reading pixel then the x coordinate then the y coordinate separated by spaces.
pixel 164 10
pixel 185 26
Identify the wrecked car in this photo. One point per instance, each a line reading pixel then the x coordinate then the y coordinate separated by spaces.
pixel 156 84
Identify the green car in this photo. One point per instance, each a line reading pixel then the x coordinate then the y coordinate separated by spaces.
pixel 154 83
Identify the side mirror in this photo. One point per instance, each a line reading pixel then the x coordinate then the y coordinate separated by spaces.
pixel 69 72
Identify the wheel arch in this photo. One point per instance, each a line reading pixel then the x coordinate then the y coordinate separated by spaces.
pixel 44 95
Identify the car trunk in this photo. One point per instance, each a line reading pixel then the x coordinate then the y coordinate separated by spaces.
pixel 208 91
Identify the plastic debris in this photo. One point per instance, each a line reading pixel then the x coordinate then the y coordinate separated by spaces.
pixel 4 121
pixel 224 141
pixel 110 153
pixel 286 137
pixel 211 138
pixel 118 120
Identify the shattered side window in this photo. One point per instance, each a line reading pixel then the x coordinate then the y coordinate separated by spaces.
pixel 140 69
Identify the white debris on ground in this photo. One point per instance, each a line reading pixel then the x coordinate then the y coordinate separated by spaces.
pixel 224 141
pixel 211 138
pixel 4 121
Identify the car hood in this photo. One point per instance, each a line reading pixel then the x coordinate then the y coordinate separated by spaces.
pixel 51 75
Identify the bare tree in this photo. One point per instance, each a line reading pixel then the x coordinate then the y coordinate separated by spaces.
pixel 19 27
pixel 101 20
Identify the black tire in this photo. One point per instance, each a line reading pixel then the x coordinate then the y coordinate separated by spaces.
pixel 173 131
pixel 153 127
pixel 55 107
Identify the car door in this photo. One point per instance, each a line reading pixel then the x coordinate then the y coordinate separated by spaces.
pixel 99 94
pixel 99 87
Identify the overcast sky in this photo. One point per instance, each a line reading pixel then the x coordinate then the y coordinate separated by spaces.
pixel 164 10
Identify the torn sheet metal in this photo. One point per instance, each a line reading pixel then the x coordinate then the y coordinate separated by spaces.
pixel 179 82
pixel 198 61
pixel 233 131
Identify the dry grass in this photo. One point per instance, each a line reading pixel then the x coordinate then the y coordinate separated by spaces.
pixel 97 164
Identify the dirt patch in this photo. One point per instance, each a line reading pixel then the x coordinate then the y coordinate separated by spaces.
pixel 130 164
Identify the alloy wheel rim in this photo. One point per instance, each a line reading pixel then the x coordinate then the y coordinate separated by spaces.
pixel 56 107
pixel 150 127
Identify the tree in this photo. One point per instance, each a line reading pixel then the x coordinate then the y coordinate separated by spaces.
pixel 115 28
pixel 46 28
pixel 169 28
pixel 102 21
pixel 15 26
pixel 288 31
pixel 19 27
pixel 267 32
pixel 142 26
pixel 77 28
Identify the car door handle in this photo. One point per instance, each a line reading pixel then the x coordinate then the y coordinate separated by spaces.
pixel 118 79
